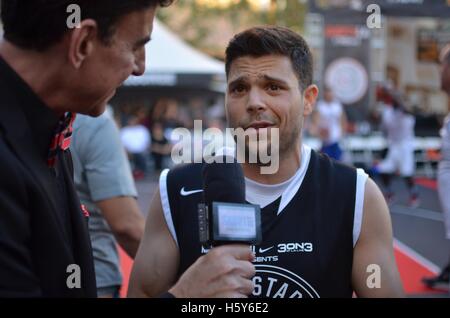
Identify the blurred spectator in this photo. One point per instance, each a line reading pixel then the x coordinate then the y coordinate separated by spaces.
pixel 136 140
pixel 217 123
pixel 398 125
pixel 216 109
pixel 197 107
pixel 105 186
pixel 142 115
pixel 160 146
pixel 166 111
pixel 442 280
pixel 171 118
pixel 124 114
pixel 171 114
pixel 158 111
pixel 328 123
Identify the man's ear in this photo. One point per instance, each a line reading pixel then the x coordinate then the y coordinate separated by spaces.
pixel 82 41
pixel 309 99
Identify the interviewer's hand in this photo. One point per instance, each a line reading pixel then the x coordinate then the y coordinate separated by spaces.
pixel 225 272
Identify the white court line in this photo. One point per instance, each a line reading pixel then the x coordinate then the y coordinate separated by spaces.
pixel 408 251
pixel 418 212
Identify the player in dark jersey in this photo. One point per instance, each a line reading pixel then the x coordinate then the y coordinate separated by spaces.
pixel 326 227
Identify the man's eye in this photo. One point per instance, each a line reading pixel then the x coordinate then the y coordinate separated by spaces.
pixel 238 89
pixel 273 87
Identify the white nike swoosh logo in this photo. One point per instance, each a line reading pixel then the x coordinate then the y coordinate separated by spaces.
pixel 263 250
pixel 186 193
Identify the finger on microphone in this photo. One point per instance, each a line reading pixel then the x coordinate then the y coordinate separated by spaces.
pixel 245 269
pixel 247 287
pixel 238 251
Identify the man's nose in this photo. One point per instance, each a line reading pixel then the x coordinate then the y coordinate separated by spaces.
pixel 139 66
pixel 256 101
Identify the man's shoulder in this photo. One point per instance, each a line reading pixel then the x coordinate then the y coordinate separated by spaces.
pixel 186 171
pixel 325 160
pixel 187 176
pixel 328 172
pixel 85 122
pixel 95 134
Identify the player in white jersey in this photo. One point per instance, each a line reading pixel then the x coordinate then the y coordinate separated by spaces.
pixel 442 280
pixel 398 125
pixel 329 121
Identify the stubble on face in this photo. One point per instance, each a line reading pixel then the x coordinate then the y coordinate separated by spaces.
pixel 283 109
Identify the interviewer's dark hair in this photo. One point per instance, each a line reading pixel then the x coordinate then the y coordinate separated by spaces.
pixel 273 40
pixel 39 24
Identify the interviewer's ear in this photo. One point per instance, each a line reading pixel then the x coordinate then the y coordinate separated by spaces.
pixel 82 42
pixel 309 99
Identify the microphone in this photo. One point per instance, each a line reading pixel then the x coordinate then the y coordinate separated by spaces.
pixel 223 182
pixel 225 217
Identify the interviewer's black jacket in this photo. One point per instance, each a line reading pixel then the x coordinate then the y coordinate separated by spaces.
pixel 42 227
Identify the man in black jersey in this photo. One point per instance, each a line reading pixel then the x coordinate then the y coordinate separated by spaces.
pixel 326 228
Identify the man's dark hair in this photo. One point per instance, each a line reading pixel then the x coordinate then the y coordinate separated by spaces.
pixel 273 40
pixel 39 24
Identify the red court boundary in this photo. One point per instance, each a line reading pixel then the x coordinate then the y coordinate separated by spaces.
pixel 426 182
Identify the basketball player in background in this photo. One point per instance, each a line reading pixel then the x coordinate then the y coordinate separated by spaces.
pixel 329 123
pixel 398 125
pixel 442 279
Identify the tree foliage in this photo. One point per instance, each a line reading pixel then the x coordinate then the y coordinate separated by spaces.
pixel 208 25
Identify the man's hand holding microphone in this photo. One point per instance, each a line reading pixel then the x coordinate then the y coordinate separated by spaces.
pixel 229 226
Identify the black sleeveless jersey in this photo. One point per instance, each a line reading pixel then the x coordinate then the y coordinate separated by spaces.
pixel 306 249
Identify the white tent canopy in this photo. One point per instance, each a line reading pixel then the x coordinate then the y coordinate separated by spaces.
pixel 168 57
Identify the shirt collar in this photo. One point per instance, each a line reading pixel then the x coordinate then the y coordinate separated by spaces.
pixel 62 137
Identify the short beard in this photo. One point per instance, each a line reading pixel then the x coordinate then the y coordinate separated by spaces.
pixel 290 141
pixel 287 144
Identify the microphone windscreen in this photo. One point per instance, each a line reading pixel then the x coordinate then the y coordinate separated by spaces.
pixel 223 182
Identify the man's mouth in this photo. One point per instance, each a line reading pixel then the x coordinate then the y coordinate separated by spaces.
pixel 260 125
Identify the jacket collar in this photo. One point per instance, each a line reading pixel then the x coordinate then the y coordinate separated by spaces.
pixel 35 114
pixel 26 126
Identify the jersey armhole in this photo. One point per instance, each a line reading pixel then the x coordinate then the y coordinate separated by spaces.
pixel 165 204
pixel 361 178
